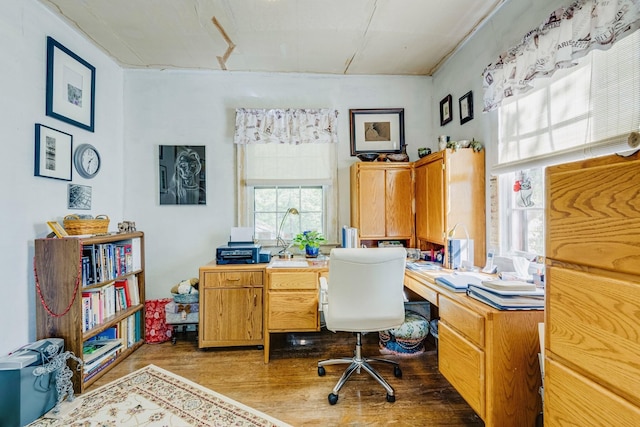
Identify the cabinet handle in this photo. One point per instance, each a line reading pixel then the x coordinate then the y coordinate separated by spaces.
pixel 231 279
pixel 255 300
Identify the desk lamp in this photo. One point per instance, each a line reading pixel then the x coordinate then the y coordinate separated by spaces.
pixel 284 252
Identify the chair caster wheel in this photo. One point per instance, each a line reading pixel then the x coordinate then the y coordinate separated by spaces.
pixel 397 372
pixel 333 398
pixel 390 398
pixel 321 371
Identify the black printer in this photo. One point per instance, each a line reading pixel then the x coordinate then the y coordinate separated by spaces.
pixel 242 253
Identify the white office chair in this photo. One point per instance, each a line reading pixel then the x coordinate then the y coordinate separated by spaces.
pixel 364 293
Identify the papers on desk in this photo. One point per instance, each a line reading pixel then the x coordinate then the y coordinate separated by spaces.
pixel 508 299
pixel 289 264
pixel 423 266
pixel 459 282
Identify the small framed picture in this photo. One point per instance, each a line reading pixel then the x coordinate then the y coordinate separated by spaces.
pixel 71 86
pixel 466 107
pixel 79 197
pixel 445 110
pixel 377 130
pixel 58 230
pixel 53 153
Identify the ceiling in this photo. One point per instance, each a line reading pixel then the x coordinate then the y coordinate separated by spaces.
pixel 379 37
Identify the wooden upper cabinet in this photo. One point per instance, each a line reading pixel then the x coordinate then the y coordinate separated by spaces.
pixel 450 190
pixel 382 200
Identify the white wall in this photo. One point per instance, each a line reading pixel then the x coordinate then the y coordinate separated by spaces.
pixel 198 108
pixel 29 202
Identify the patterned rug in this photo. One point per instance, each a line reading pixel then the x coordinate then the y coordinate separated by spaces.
pixel 152 396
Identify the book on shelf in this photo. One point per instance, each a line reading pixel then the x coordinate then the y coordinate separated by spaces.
pixel 100 367
pixel 92 350
pixel 107 334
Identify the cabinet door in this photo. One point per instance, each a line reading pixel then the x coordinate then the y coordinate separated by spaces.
pixel 421 198
pixel 371 202
pixel 398 203
pixel 436 209
pixel 233 315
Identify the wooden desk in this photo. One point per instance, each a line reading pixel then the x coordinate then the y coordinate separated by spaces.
pixel 291 301
pixel 490 356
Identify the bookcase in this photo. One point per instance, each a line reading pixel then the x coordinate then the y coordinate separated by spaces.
pixel 90 291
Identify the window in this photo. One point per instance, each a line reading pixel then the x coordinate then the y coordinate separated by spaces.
pixel 276 177
pixel 580 112
pixel 522 219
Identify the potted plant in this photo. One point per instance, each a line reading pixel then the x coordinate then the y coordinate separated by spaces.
pixel 310 241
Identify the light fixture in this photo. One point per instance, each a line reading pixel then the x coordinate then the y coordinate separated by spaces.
pixel 284 253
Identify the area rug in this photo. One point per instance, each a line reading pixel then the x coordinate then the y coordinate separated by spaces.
pixel 152 396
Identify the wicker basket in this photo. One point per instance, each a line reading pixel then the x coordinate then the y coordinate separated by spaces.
pixel 74 225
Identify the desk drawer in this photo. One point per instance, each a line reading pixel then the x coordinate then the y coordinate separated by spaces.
pixel 293 311
pixel 467 322
pixel 231 279
pixel 463 364
pixel 595 326
pixel 303 280
pixel 569 396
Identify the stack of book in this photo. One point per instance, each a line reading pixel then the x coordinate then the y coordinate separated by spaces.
pixel 508 294
pixel 98 354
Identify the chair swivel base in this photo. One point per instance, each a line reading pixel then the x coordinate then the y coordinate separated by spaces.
pixel 357 363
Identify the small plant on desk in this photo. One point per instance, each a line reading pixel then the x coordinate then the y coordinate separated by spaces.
pixel 310 241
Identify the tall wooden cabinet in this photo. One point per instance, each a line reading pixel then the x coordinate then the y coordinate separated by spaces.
pixel 382 200
pixel 450 190
pixel 76 280
pixel 592 313
pixel 231 300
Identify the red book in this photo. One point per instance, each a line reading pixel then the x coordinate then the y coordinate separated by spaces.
pixel 123 284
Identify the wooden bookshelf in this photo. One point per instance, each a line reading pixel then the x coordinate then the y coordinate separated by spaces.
pixel 60 309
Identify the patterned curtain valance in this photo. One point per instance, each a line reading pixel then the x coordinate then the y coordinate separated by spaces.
pixel 286 126
pixel 568 34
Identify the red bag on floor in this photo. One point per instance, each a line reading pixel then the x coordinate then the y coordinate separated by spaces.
pixel 156 329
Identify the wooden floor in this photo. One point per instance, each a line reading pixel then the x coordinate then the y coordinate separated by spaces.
pixel 289 388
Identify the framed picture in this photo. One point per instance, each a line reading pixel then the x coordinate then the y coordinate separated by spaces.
pixel 71 86
pixel 445 110
pixel 53 153
pixel 182 175
pixel 58 230
pixel 79 197
pixel 378 130
pixel 466 107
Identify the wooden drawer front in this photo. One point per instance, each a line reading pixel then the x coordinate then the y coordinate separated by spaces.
pixel 465 321
pixel 423 290
pixel 293 311
pixel 593 217
pixel 595 326
pixel 462 363
pixel 571 399
pixel 303 280
pixel 230 279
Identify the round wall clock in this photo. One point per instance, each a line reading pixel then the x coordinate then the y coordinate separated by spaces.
pixel 86 160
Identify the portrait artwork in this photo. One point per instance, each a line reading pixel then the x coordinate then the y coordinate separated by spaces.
pixel 182 175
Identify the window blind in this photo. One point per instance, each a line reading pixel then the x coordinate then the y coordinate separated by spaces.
pixel 585 111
